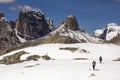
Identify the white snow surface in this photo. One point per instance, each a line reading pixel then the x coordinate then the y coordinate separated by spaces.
pixel 64 67
pixel 27 8
pixel 21 39
pixel 98 32
pixel 113 30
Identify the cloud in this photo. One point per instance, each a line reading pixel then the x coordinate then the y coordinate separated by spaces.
pixel 25 7
pixel 19 7
pixel 13 8
pixel 6 1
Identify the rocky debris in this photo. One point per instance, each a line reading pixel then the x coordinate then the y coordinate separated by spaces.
pixel 12 59
pixel 118 59
pixel 33 57
pixel 91 75
pixel 46 57
pixel 72 49
pixel 15 58
pixel 84 51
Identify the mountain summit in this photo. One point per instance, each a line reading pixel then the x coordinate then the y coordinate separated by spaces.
pixel 68 32
pixel 110 31
pixel 31 24
pixel 71 23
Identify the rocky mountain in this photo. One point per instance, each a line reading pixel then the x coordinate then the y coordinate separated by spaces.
pixel 115 40
pixel 110 31
pixel 7 34
pixel 31 24
pixel 68 32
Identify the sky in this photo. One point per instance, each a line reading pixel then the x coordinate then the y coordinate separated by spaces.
pixel 91 14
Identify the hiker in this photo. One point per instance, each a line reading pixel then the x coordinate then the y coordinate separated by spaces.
pixel 93 65
pixel 100 59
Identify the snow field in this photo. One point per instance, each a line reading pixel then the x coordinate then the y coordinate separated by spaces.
pixel 64 67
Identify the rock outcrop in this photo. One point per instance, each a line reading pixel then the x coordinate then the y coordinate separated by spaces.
pixel 7 34
pixel 50 23
pixel 12 59
pixel 68 31
pixel 2 17
pixel 71 22
pixel 31 24
pixel 16 58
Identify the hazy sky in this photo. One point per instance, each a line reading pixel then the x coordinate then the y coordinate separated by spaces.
pixel 91 14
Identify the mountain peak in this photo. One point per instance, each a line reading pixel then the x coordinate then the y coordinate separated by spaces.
pixel 27 8
pixel 111 24
pixel 71 22
pixel 31 24
pixel 110 31
pixel 2 16
pixel 70 16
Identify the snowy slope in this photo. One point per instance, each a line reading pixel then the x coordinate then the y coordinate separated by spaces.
pixel 64 67
pixel 110 31
pixel 77 35
pixel 109 51
pixel 20 38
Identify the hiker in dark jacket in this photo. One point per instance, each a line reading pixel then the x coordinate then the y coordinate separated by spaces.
pixel 100 59
pixel 93 65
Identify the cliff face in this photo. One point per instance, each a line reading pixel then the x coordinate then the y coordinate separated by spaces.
pixel 7 34
pixel 71 22
pixel 31 25
pixel 51 24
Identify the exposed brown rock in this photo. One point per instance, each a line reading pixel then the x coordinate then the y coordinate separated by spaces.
pixel 71 22
pixel 33 57
pixel 46 57
pixel 115 40
pixel 7 35
pixel 12 59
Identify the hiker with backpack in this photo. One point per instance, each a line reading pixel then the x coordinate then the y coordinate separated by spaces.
pixel 93 64
pixel 100 59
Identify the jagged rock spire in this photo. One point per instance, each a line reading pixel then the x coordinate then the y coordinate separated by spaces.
pixel 71 22
pixel 2 17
